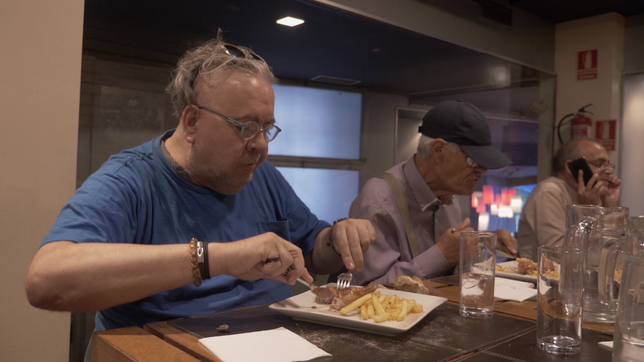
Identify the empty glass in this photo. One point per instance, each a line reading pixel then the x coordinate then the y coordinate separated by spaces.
pixel 560 299
pixel 476 273
pixel 628 341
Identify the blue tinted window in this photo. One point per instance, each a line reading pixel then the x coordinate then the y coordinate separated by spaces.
pixel 328 193
pixel 317 123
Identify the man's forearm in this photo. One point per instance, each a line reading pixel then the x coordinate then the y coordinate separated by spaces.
pixel 81 277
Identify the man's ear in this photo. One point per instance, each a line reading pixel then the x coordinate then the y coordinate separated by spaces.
pixel 438 148
pixel 188 123
pixel 568 176
pixel 567 169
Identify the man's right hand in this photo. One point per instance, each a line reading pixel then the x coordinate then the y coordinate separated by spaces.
pixel 613 187
pixel 449 242
pixel 592 192
pixel 247 259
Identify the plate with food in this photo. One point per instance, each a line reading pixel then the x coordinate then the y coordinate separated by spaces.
pixel 372 308
pixel 523 269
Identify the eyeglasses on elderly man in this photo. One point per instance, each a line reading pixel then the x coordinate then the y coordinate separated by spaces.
pixel 601 164
pixel 249 129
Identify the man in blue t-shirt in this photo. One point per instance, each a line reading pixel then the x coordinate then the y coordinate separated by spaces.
pixel 193 221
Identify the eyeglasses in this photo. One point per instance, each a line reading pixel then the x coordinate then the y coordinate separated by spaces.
pixel 236 52
pixel 471 162
pixel 250 129
pixel 602 164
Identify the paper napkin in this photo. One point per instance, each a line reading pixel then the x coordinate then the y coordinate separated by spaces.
pixel 513 289
pixel 513 284
pixel 606 344
pixel 275 345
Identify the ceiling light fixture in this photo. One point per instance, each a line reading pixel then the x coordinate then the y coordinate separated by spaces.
pixel 289 21
pixel 334 80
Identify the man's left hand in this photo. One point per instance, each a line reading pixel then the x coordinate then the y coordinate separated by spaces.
pixel 351 238
pixel 614 185
pixel 506 242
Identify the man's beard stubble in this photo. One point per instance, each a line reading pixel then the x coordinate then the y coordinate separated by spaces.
pixel 212 175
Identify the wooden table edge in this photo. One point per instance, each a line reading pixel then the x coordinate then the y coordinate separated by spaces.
pixel 182 340
pixel 134 344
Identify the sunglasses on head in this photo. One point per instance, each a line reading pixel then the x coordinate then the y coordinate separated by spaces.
pixel 236 52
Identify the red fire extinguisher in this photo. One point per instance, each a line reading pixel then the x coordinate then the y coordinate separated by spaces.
pixel 580 126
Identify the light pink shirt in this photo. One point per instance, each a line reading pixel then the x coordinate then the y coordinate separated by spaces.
pixel 390 255
pixel 543 218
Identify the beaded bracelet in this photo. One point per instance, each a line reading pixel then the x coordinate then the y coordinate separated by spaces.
pixel 331 242
pixel 194 263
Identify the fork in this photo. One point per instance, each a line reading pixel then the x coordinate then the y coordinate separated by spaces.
pixel 344 280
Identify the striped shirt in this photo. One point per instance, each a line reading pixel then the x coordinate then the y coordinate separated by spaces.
pixel 390 255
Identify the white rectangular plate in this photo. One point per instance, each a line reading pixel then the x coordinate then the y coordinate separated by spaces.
pixel 516 276
pixel 513 264
pixel 303 307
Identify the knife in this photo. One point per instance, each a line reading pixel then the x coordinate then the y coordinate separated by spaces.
pixel 506 255
pixel 310 285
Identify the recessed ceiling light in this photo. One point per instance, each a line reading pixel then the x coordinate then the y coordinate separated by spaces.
pixel 289 21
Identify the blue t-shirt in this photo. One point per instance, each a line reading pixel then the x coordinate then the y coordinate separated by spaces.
pixel 137 197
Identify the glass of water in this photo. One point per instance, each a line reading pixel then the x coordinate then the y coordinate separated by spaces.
pixel 476 273
pixel 560 288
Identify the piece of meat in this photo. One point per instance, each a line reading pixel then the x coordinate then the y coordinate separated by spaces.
pixel 324 295
pixel 408 284
pixel 347 295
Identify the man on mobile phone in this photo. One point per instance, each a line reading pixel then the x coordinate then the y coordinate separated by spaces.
pixel 543 216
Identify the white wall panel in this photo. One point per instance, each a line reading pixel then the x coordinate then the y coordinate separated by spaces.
pixel 631 166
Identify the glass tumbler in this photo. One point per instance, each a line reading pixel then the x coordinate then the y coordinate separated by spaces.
pixel 476 273
pixel 560 284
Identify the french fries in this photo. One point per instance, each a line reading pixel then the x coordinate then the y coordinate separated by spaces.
pixel 363 311
pixel 377 306
pixel 383 307
pixel 356 304
pixel 407 306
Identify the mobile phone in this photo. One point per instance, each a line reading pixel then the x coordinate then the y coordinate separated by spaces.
pixel 581 164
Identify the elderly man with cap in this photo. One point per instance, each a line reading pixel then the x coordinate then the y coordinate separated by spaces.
pixel 412 206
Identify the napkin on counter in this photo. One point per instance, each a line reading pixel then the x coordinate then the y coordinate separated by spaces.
pixel 509 289
pixel 275 345
pixel 606 344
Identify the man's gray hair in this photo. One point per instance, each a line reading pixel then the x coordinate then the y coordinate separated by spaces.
pixel 425 146
pixel 568 151
pixel 207 58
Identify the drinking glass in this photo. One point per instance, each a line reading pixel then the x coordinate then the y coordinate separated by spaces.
pixel 476 273
pixel 560 299
pixel 628 341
